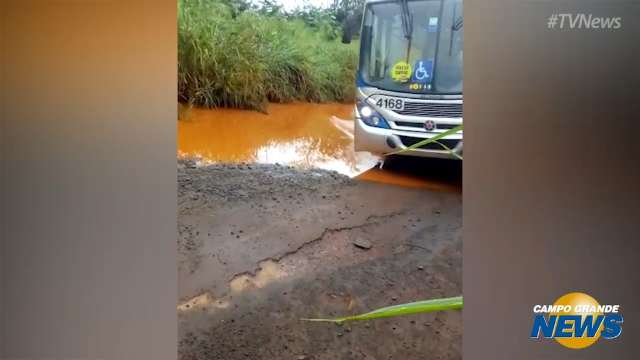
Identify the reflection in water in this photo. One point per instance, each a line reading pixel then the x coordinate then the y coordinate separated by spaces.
pixel 269 271
pixel 205 300
pixel 390 176
pixel 416 172
pixel 303 135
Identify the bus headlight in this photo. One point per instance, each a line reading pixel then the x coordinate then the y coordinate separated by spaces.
pixel 371 117
pixel 366 111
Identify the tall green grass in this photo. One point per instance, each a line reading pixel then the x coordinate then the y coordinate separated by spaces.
pixel 245 59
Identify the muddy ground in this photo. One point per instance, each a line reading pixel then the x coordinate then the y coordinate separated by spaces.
pixel 263 246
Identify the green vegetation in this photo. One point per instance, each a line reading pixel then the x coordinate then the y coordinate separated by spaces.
pixel 453 303
pixel 234 54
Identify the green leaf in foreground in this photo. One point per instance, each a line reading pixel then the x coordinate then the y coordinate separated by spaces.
pixel 433 139
pixel 453 303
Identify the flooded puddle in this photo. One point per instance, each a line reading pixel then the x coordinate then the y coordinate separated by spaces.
pixel 269 271
pixel 302 135
pixel 393 176
pixel 205 300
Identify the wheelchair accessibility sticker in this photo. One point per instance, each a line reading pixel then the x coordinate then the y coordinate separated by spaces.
pixel 423 71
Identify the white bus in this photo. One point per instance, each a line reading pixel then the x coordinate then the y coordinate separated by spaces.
pixel 409 80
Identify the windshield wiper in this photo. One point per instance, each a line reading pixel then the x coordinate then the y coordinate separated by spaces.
pixel 407 19
pixel 457 25
pixel 407 24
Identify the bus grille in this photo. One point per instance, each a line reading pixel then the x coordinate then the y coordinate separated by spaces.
pixel 420 125
pixel 450 143
pixel 431 109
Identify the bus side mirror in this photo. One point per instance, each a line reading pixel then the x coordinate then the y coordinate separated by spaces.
pixel 348 29
pixel 346 33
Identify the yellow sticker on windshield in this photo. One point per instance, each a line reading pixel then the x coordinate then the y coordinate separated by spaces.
pixel 401 71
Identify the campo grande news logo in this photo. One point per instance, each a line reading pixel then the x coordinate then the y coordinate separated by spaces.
pixel 576 320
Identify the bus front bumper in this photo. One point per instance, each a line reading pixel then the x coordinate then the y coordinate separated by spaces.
pixel 381 142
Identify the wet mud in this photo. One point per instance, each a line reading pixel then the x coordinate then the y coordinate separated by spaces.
pixel 263 246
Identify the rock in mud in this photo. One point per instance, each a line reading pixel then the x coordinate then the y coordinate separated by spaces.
pixel 362 243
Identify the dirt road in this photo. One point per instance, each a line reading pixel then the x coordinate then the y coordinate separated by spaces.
pixel 262 246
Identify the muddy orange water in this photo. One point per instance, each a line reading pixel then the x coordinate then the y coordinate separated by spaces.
pixel 300 134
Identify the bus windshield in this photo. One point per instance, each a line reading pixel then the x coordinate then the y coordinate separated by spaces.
pixel 417 51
